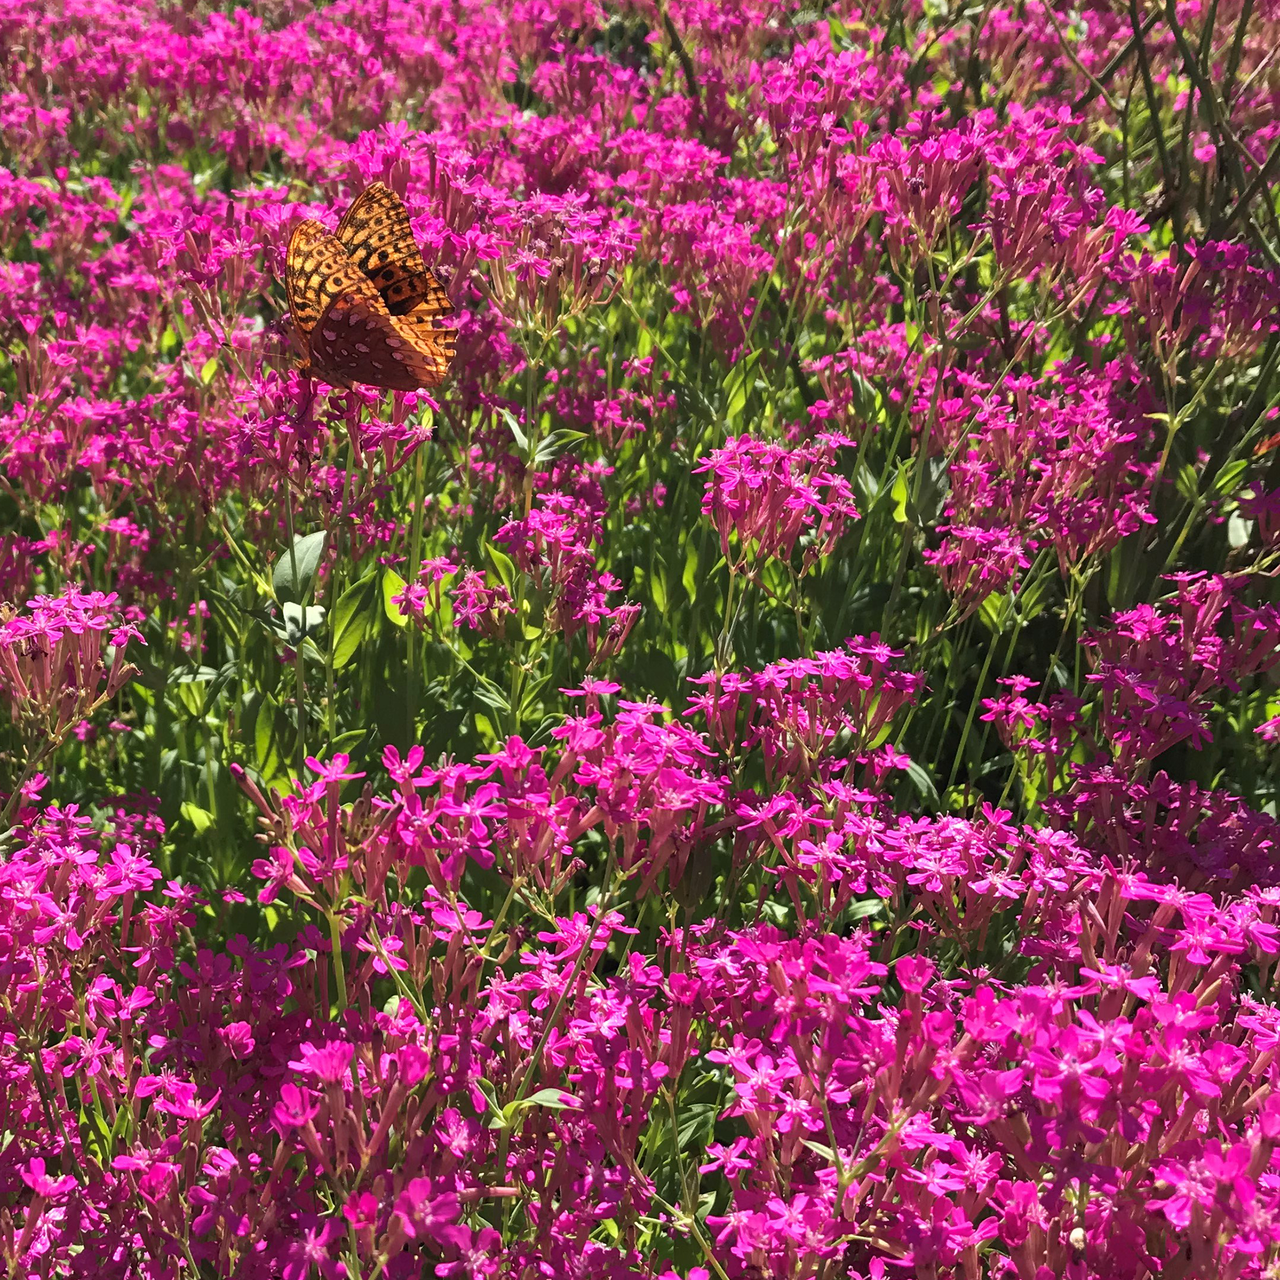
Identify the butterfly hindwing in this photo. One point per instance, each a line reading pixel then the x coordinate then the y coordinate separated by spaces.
pixel 437 347
pixel 358 340
pixel 375 232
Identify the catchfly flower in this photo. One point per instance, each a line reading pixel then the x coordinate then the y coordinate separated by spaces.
pixel 639 641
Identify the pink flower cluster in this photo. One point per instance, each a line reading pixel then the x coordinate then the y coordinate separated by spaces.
pixel 765 497
pixel 1054 1025
pixel 768 771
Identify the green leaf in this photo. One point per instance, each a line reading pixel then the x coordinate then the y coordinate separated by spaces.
pixel 504 564
pixel 221 679
pixel 555 444
pixel 737 384
pixel 492 696
pixel 934 491
pixel 994 610
pixel 199 818
pixel 1032 601
pixel 393 585
pixel 224 612
pixel 866 401
pixel 209 369
pixel 199 675
pixel 353 617
pixel 1227 477
pixel 690 576
pixel 1187 482
pixel 556 1099
pixel 924 784
pixel 514 427
pixel 191 695
pixel 299 623
pixel 347 741
pixel 265 742
pixel 820 1149
pixel 696 1120
pixel 899 493
pixel 295 571
pixel 95 1134
pixel 122 1127
pixel 658 587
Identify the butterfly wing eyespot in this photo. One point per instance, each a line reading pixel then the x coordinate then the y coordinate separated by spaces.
pixel 376 234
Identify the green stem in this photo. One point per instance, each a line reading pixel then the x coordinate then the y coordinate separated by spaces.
pixel 331 699
pixel 299 676
pixel 415 563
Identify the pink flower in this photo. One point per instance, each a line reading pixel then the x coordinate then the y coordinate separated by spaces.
pixel 329 1063
pixel 44 1186
pixel 294 1109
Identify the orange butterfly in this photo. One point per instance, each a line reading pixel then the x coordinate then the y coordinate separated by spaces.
pixel 364 302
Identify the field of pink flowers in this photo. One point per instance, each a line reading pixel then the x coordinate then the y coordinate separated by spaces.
pixel 769 772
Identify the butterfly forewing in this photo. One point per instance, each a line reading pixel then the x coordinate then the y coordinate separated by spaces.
pixel 302 280
pixel 376 234
pixel 319 271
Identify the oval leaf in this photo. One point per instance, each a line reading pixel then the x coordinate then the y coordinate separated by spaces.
pixel 393 585
pixel 353 616
pixel 295 572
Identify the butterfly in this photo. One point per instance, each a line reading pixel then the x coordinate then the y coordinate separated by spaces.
pixel 363 301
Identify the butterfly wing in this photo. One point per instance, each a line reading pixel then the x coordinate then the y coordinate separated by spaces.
pixel 300 279
pixel 435 347
pixel 376 234
pixel 318 270
pixel 358 340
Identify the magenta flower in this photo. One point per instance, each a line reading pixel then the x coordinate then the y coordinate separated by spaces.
pixel 763 497
pixel 294 1109
pixel 329 1063
pixel 44 1186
